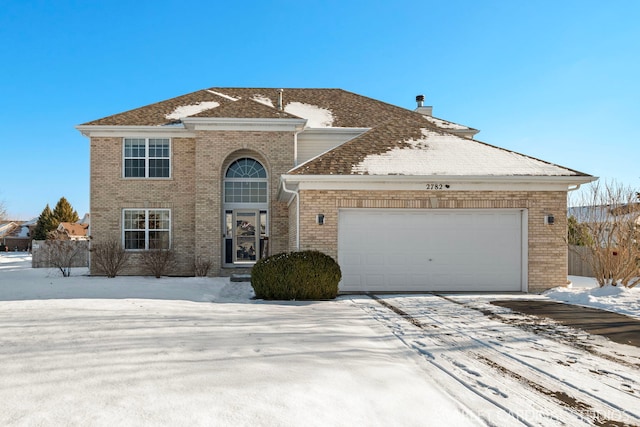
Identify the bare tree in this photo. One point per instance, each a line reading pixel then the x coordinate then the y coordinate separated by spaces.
pixel 62 253
pixel 608 215
pixel 109 256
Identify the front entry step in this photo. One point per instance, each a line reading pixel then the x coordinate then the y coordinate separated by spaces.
pixel 241 277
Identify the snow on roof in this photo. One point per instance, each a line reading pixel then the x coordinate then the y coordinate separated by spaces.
pixel 447 154
pixel 32 221
pixel 317 117
pixel 189 110
pixel 231 98
pixel 606 213
pixel 445 124
pixel 263 100
pixel 24 231
pixel 6 227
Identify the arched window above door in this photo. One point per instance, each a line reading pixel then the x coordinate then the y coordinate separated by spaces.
pixel 246 168
pixel 245 182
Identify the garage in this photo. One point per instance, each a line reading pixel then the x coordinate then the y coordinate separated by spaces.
pixel 397 250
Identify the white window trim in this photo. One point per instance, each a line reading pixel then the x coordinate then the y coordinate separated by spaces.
pixel 146 158
pixel 146 227
pixel 245 205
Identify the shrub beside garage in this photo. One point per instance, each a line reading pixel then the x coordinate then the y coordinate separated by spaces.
pixel 304 275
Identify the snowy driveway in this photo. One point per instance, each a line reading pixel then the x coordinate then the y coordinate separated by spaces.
pixel 137 351
pixel 521 370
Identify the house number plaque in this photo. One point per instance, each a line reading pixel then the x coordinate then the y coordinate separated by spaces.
pixel 437 186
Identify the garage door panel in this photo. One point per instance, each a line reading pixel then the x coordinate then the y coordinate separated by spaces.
pixel 376 259
pixel 413 250
pixel 375 280
pixel 395 259
pixel 351 259
pixel 396 280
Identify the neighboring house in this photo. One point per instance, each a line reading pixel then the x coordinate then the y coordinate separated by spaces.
pixel 600 220
pixel 622 212
pixel 402 200
pixel 15 236
pixel 6 230
pixel 72 231
pixel 75 240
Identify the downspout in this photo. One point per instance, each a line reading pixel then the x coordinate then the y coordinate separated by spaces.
pixel 297 196
pixel 295 148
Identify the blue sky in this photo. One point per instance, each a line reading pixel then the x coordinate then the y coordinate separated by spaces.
pixel 557 80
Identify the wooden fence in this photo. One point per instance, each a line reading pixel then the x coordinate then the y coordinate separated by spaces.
pixel 577 264
pixel 42 253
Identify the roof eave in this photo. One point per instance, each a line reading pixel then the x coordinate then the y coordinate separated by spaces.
pixel 436 182
pixel 230 123
pixel 129 130
pixel 583 179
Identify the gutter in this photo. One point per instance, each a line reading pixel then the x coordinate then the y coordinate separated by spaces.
pixel 295 148
pixel 509 179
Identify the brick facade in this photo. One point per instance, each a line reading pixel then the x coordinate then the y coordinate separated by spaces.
pixel 193 193
pixel 194 196
pixel 547 251
pixel 111 193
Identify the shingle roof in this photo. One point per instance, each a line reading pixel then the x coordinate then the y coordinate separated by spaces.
pixel 399 142
pixel 156 114
pixel 348 109
pixel 410 146
pixel 245 108
pixel 74 229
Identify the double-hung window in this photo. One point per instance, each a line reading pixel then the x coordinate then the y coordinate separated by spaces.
pixel 147 158
pixel 146 229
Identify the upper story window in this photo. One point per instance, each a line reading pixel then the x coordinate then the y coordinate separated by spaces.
pixel 245 182
pixel 147 158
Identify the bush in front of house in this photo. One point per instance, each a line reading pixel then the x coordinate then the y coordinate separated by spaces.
pixel 157 262
pixel 109 256
pixel 305 275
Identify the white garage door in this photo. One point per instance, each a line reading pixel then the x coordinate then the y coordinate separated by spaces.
pixel 430 250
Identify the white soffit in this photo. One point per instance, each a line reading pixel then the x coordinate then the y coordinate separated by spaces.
pixel 235 124
pixel 170 131
pixel 435 183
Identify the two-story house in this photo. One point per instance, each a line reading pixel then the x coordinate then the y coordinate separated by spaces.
pixel 402 200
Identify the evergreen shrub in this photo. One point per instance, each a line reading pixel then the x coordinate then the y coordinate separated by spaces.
pixel 305 275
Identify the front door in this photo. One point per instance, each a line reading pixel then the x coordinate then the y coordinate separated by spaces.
pixel 246 236
pixel 245 208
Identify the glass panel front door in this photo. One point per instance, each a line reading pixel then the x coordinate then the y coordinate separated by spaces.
pixel 246 239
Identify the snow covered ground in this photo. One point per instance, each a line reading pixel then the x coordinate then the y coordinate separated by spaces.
pixel 199 351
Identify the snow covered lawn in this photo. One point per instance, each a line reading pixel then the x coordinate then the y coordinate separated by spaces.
pixel 93 351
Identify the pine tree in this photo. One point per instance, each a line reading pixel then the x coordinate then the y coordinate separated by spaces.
pixel 578 234
pixel 45 224
pixel 49 220
pixel 63 212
